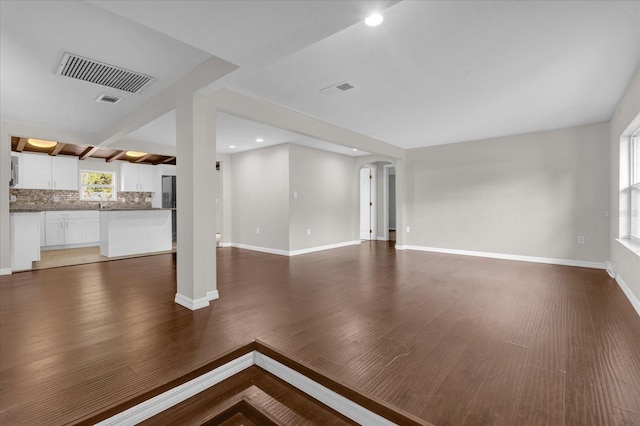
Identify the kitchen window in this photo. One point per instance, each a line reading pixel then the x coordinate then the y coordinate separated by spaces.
pixel 96 185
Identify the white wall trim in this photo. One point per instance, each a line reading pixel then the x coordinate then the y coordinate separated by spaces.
pixel 261 249
pixel 325 395
pixel 295 252
pixel 226 244
pixel 627 291
pixel 213 295
pixel 168 399
pixel 190 303
pixel 321 248
pixel 5 271
pixel 535 259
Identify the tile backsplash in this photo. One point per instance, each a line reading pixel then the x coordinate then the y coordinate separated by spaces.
pixel 47 198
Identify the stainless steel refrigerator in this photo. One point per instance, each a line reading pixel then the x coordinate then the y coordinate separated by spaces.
pixel 169 201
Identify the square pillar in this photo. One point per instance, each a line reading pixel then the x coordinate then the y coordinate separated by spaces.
pixel 196 214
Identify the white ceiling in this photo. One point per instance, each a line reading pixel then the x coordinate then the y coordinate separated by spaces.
pixel 434 72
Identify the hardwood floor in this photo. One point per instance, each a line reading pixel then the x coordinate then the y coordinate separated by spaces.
pixel 450 339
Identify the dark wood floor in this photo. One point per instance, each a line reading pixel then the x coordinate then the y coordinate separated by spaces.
pixel 451 339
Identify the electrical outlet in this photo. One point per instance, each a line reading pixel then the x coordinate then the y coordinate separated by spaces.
pixel 56 198
pixel 308 231
pixel 148 200
pixel 295 194
pixel 136 199
pixel 408 229
pixel 257 231
pixel 580 239
pixel 13 198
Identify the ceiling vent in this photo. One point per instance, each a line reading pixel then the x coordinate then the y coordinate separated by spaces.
pixel 337 88
pixel 108 99
pixel 75 66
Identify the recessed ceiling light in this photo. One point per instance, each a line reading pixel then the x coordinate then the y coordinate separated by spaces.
pixel 355 149
pixel 374 20
pixel 259 140
pixel 41 143
pixel 232 146
pixel 135 154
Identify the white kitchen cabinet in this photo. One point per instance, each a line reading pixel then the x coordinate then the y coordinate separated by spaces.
pixel 64 173
pixel 43 223
pixel 63 227
pixel 90 227
pixel 136 177
pixel 25 240
pixel 41 171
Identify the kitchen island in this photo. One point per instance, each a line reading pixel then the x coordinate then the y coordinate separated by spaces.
pixel 125 232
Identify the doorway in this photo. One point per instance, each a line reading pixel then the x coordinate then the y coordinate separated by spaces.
pixel 377 201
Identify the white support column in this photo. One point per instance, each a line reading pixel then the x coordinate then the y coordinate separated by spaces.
pixel 196 152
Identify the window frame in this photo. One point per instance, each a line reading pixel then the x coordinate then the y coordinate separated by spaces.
pixel 634 187
pixel 113 186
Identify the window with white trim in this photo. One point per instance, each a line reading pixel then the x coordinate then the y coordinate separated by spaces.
pixel 97 185
pixel 634 186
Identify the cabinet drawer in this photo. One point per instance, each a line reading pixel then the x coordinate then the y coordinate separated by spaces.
pixel 91 214
pixel 57 215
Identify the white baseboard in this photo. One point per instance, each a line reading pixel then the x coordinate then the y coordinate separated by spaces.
pixel 535 259
pixel 321 248
pixel 192 304
pixel 627 291
pixel 294 252
pixel 261 249
pixel 342 405
pixel 168 399
pixel 5 271
pixel 226 244
pixel 213 295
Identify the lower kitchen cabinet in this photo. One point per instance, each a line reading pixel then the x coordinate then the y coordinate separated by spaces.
pixel 91 227
pixel 63 228
pixel 25 240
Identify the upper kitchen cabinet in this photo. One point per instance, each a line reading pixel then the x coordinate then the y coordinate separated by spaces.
pixel 136 177
pixel 41 171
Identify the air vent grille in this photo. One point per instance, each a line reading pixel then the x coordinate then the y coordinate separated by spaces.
pixel 93 71
pixel 337 88
pixel 108 99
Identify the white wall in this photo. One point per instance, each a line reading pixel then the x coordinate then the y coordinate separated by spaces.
pixel 325 199
pixel 527 195
pixel 260 188
pixel 628 261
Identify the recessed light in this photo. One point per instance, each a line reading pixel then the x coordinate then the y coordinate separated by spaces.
pixel 135 154
pixel 259 140
pixel 374 20
pixel 41 143
pixel 232 146
pixel 355 149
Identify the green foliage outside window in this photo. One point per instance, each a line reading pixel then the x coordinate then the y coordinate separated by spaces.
pixel 97 185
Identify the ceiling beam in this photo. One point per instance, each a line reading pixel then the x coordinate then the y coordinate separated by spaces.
pixel 204 74
pixel 21 144
pixel 89 152
pixel 143 158
pixel 115 156
pixel 56 150
pixel 166 160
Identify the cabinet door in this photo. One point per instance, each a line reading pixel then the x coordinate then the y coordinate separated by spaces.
pixel 90 230
pixel 36 171
pixel 64 173
pixel 128 177
pixel 72 231
pixel 54 232
pixel 145 178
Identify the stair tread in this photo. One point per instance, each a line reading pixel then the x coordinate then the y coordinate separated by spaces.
pixel 253 390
